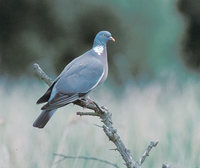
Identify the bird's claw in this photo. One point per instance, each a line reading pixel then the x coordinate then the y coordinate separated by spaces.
pixel 88 102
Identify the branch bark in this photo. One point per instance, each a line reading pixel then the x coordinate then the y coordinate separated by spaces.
pixel 106 118
pixel 147 151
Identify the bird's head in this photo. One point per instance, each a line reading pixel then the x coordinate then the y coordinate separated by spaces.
pixel 103 37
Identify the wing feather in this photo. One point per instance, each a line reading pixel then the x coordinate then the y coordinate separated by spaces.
pixel 60 100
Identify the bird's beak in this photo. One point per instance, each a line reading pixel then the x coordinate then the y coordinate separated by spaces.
pixel 111 38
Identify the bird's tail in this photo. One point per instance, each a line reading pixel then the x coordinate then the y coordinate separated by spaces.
pixel 43 118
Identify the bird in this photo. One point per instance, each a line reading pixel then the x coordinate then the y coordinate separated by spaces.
pixel 77 80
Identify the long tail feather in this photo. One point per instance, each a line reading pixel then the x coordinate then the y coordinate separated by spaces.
pixel 43 118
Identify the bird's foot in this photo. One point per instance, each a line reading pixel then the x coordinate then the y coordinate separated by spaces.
pixel 89 102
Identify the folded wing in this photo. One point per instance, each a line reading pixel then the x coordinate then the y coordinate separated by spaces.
pixel 80 79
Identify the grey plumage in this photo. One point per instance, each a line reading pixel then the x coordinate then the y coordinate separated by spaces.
pixel 43 118
pixel 77 79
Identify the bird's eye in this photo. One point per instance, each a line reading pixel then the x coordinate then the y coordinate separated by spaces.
pixel 104 35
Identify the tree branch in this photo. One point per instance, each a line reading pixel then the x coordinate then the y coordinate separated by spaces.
pixel 42 75
pixel 147 151
pixel 87 114
pixel 84 158
pixel 106 118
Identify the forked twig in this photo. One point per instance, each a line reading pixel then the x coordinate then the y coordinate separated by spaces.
pixel 147 151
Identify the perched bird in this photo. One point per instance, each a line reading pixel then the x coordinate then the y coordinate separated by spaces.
pixel 78 78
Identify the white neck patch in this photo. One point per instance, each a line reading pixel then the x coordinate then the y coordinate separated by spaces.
pixel 98 49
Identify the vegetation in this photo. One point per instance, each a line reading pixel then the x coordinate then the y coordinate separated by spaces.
pixel 167 112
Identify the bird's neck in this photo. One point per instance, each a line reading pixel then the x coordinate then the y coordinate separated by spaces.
pixel 99 48
pixel 99 43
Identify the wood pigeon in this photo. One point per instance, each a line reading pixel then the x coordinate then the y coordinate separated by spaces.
pixel 78 78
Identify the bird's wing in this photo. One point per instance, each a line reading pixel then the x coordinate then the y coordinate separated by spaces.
pixel 47 94
pixel 60 100
pixel 81 77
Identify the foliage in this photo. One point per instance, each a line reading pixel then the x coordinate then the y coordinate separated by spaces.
pixel 147 33
pixel 167 112
pixel 191 11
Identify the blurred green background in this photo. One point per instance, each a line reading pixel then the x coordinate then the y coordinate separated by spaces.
pixel 152 37
pixel 152 88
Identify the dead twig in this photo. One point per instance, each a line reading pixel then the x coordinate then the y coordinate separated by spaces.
pixel 42 75
pixel 84 158
pixel 147 151
pixel 87 113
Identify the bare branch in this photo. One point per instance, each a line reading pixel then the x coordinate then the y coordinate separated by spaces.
pixel 100 126
pixel 147 151
pixel 41 74
pixel 115 149
pixel 84 158
pixel 87 113
pixel 106 118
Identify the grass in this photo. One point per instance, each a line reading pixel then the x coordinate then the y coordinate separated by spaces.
pixel 168 112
